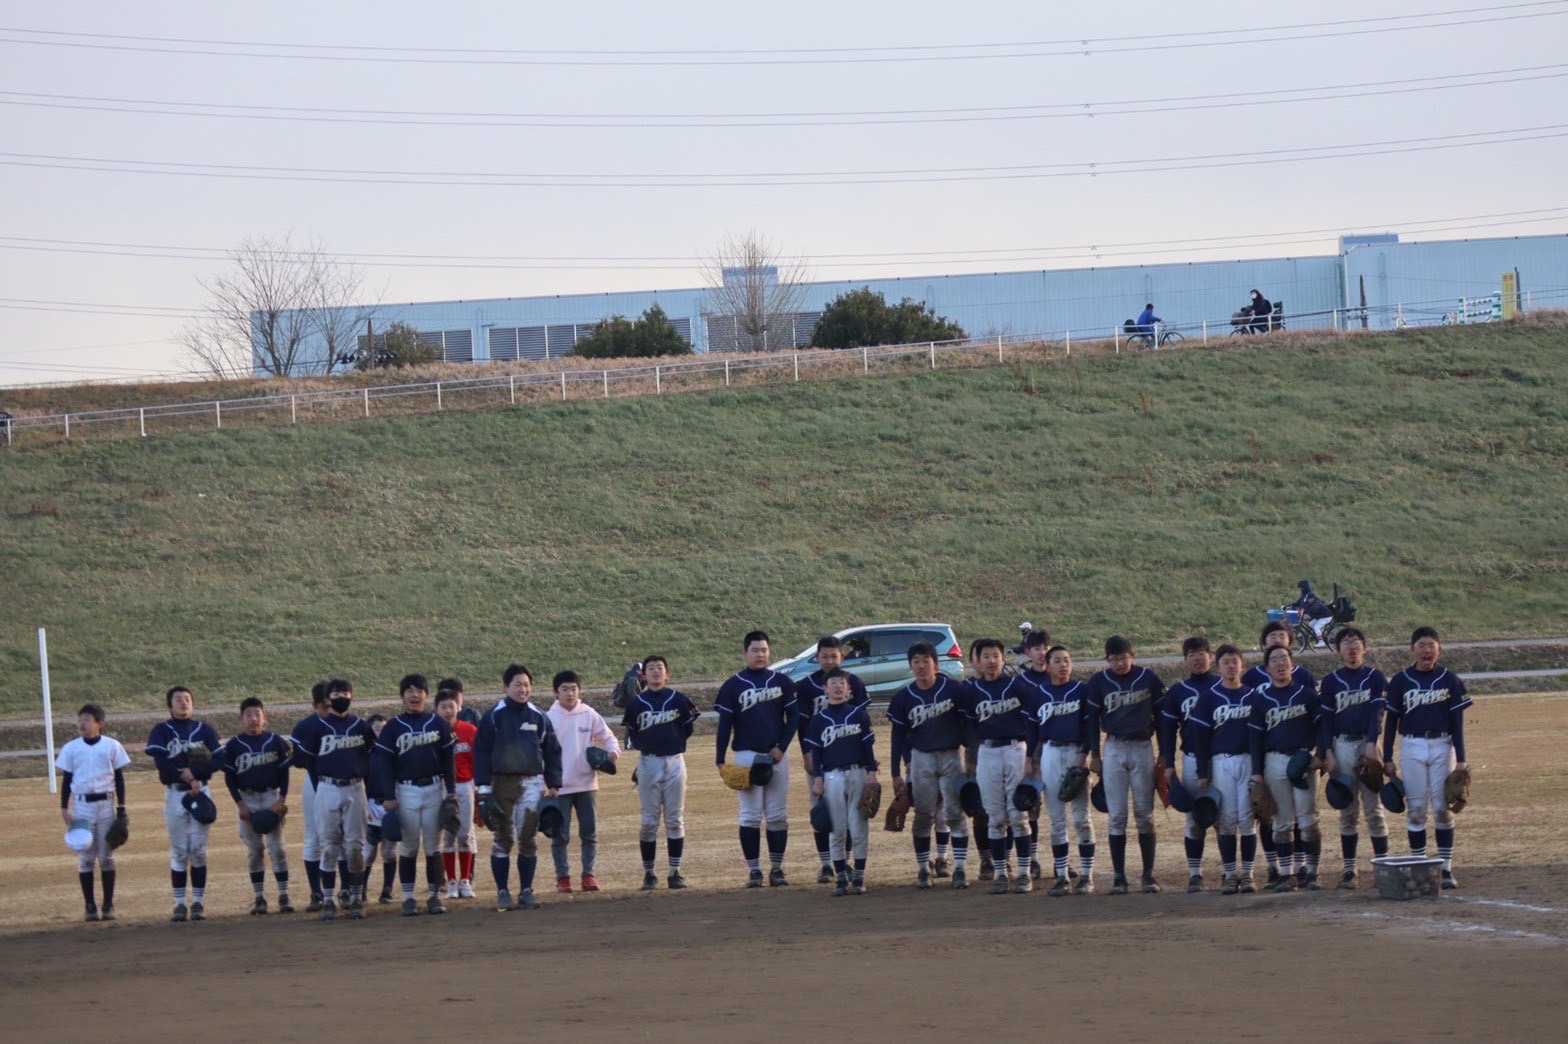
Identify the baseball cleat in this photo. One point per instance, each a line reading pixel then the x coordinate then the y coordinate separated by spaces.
pixel 108 912
pixel 434 905
pixel 1347 881
pixel 465 889
pixel 999 884
pixel 356 908
pixel 825 875
pixel 503 900
pixel 259 907
pixel 1229 885
pixel 179 913
pixel 564 885
pixel 451 889
pixel 1312 883
pixel 1247 885
pixel 857 888
pixel 198 912
pixel 843 886
pixel 675 880
pixel 1024 884
pixel 284 906
pixel 344 897
pixel 590 883
pixel 958 878
pixel 776 877
pixel 1449 884
pixel 410 907
pixel 1287 883
pixel 1084 885
pixel 649 881
pixel 329 908
pixel 1061 886
pixel 987 871
pixel 526 900
pixel 386 897
pixel 1195 883
pixel 754 879
pixel 315 902
pixel 939 867
pixel 924 880
pixel 1119 886
pixel 91 914
pixel 1151 886
pixel 1273 877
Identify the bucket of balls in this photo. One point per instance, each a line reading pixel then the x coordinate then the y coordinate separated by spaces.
pixel 1407 877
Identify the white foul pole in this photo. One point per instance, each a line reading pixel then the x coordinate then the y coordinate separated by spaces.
pixel 43 670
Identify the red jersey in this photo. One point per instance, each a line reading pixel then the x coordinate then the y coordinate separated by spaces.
pixel 463 751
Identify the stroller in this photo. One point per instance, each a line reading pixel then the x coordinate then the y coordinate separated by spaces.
pixel 1341 612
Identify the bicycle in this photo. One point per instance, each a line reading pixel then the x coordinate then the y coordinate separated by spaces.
pixel 1140 338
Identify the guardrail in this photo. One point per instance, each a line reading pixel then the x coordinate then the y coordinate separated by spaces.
pixel 567 384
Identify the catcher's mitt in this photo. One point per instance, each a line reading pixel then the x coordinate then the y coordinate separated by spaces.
pixel 736 777
pixel 1162 785
pixel 1456 790
pixel 1263 806
pixel 897 810
pixel 871 798
pixel 448 818
pixel 1370 773
pixel 1073 781
pixel 119 830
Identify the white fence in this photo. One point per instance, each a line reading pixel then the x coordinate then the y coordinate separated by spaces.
pixel 703 371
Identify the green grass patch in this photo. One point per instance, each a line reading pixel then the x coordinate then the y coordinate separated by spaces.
pixel 1155 495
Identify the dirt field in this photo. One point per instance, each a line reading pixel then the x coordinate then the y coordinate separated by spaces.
pixel 722 963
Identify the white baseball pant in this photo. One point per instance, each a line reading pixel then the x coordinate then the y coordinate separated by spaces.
pixel 1346 751
pixel 841 789
pixel 463 840
pixel 187 838
pixel 1232 776
pixel 1054 763
pixel 340 825
pixel 99 816
pixel 1129 766
pixel 933 780
pixel 1298 806
pixel 1425 765
pixel 661 791
pixel 999 770
pixel 312 853
pixel 769 803
pixel 258 844
pixel 419 812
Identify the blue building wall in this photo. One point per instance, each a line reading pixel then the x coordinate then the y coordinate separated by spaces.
pixel 1420 280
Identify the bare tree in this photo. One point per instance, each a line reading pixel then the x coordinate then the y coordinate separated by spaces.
pixel 752 283
pixel 281 310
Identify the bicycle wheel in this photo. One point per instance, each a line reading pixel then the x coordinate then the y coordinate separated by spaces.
pixel 1172 338
pixel 1304 636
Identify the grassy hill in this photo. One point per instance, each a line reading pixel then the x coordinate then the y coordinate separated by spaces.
pixel 1153 494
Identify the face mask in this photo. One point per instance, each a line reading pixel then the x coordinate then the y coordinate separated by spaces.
pixel 340 704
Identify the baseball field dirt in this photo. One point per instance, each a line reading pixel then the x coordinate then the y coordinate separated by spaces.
pixel 719 962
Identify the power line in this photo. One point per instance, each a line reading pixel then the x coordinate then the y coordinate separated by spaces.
pixel 873 117
pixel 790 56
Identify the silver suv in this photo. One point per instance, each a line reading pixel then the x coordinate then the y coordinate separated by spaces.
pixel 879 655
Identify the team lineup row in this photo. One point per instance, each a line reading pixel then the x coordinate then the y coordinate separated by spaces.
pixel 988 757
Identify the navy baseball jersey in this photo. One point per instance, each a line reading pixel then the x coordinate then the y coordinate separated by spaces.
pixel 1223 717
pixel 1060 712
pixel 839 737
pixel 1354 699
pixel 1425 702
pixel 257 763
pixel 305 738
pixel 925 719
pixel 1123 705
pixel 756 712
pixel 1285 721
pixel 413 746
pixel 1257 677
pixel 660 721
pixel 170 746
pixel 1001 710
pixel 342 748
pixel 811 696
pixel 1176 715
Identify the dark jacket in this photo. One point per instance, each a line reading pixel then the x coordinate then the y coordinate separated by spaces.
pixel 516 739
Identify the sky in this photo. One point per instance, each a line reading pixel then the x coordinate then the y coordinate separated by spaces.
pixel 492 149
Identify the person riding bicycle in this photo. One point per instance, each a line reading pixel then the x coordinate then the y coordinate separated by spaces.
pixel 1262 313
pixel 1147 319
pixel 1316 611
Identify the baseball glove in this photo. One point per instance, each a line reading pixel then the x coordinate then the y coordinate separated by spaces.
pixel 736 777
pixel 1073 781
pixel 1162 785
pixel 281 809
pixel 900 789
pixel 490 811
pixel 448 818
pixel 479 816
pixel 897 810
pixel 119 830
pixel 1370 773
pixel 870 798
pixel 1456 790
pixel 198 755
pixel 1263 806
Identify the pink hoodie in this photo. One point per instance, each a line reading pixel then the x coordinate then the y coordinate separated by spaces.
pixel 577 730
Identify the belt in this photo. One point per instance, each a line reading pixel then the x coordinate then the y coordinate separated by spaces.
pixel 93 797
pixel 999 742
pixel 423 781
pixel 1061 743
pixel 935 750
pixel 1286 750
pixel 1132 737
pixel 257 790
pixel 1358 736
pixel 349 782
pixel 1425 735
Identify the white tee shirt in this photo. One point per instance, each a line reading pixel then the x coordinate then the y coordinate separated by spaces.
pixel 92 765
